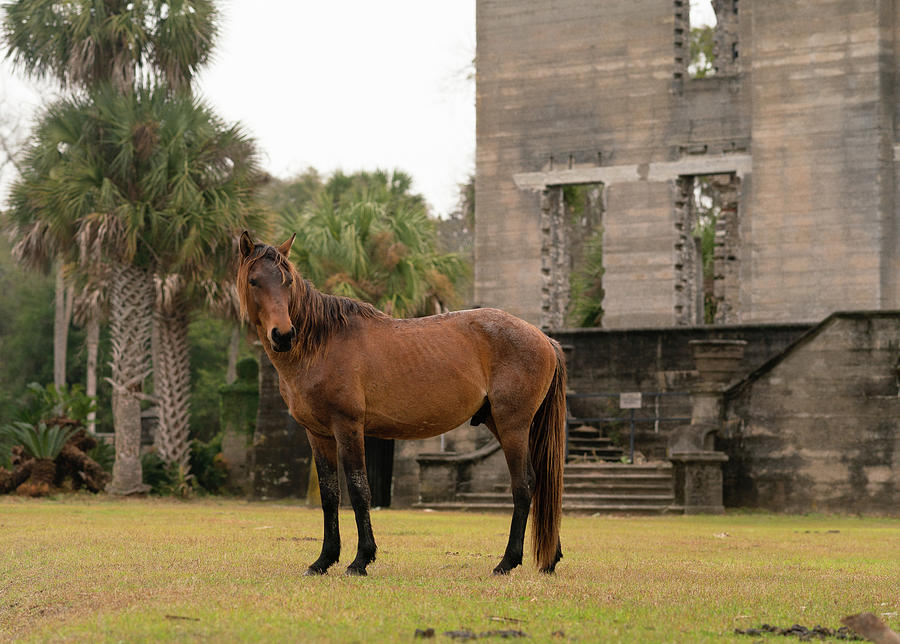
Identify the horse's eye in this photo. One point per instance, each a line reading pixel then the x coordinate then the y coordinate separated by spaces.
pixel 253 282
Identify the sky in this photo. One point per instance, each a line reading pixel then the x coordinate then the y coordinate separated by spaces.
pixel 702 13
pixel 344 84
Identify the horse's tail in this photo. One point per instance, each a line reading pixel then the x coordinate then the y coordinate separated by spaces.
pixel 547 449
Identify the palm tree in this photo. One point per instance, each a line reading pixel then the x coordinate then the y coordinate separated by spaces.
pixel 119 46
pixel 86 43
pixel 151 184
pixel 367 237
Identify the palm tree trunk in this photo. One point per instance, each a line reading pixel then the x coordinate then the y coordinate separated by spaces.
pixel 130 320
pixel 92 343
pixel 172 385
pixel 61 319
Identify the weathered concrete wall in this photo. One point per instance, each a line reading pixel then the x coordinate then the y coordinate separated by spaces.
pixel 656 360
pixel 562 85
pixel 802 111
pixel 818 428
pixel 822 158
pixel 659 359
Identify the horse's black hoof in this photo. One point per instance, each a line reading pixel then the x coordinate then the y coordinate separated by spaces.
pixel 355 572
pixel 500 570
pixel 314 572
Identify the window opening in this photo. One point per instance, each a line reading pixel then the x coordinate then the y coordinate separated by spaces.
pixel 702 48
pixel 707 249
pixel 572 256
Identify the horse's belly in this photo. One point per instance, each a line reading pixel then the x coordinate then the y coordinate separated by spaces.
pixel 413 428
pixel 422 412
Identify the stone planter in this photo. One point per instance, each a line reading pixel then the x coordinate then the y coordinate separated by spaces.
pixel 698 481
pixel 717 360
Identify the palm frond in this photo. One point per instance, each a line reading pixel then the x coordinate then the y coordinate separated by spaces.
pixel 83 43
pixel 39 441
pixel 365 236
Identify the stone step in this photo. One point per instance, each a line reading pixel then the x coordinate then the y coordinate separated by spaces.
pixel 587 434
pixel 585 446
pixel 580 498
pixel 618 468
pixel 663 486
pixel 576 509
pixel 457 506
pixel 593 443
pixel 598 455
pixel 577 477
pixel 590 488
pixel 579 436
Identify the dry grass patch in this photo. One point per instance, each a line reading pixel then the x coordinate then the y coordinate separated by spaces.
pixel 95 569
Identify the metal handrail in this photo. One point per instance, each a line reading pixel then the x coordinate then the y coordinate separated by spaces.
pixel 655 395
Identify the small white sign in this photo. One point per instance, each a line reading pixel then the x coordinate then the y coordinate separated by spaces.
pixel 630 400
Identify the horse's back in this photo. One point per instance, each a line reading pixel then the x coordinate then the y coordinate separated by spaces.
pixel 425 376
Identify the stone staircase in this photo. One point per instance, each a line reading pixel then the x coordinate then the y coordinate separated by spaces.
pixel 589 488
pixel 588 444
pixel 611 488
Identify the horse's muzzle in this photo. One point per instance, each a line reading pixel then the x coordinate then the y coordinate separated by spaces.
pixel 282 342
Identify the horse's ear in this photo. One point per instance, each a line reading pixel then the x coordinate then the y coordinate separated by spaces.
pixel 285 248
pixel 246 245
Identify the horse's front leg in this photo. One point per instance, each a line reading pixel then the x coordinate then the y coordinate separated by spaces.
pixel 351 450
pixel 325 454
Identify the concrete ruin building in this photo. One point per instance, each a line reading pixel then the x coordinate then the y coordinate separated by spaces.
pixel 792 136
pixel 594 130
pixel 795 131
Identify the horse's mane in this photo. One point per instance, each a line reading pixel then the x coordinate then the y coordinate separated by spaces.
pixel 315 315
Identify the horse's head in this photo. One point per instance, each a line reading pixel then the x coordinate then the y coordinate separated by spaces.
pixel 265 280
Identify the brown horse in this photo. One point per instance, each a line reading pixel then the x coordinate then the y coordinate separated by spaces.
pixel 347 370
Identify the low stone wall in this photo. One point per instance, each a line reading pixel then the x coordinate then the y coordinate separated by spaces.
pixel 656 359
pixel 817 428
pixel 659 359
pixel 444 474
pixel 462 440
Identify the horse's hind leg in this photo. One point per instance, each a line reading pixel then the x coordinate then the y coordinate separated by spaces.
pixel 513 437
pixel 351 450
pixel 325 453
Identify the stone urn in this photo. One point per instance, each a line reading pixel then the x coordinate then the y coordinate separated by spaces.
pixel 717 360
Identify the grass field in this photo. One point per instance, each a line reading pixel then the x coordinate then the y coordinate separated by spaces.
pixel 94 569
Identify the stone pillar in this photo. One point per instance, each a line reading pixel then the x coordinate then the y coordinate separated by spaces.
pixel 698 467
pixel 438 477
pixel 698 481
pixel 238 404
pixel 281 456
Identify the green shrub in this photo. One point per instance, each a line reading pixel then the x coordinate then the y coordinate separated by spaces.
pixel 39 441
pixel 586 294
pixel 46 402
pixel 207 471
pixel 6 445
pixel 155 472
pixel 104 454
pixel 207 465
